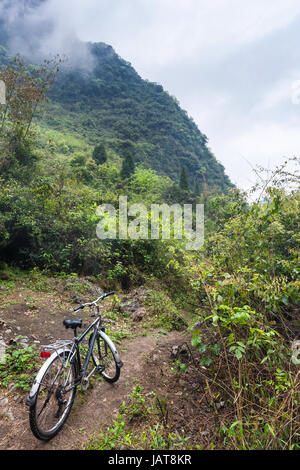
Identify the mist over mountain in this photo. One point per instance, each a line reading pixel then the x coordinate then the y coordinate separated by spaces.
pixel 100 96
pixel 37 30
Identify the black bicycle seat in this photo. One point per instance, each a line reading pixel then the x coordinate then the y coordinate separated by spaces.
pixel 73 323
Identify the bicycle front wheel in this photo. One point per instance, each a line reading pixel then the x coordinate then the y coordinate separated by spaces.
pixel 54 398
pixel 105 361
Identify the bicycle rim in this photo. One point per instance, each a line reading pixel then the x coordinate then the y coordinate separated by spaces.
pixel 54 398
pixel 104 359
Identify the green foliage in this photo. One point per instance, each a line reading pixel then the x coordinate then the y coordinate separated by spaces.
pixel 197 189
pixel 184 182
pixel 165 313
pixel 99 154
pixel 247 287
pixel 127 166
pixel 18 367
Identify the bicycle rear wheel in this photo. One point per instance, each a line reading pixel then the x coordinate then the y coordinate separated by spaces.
pixel 104 359
pixel 54 398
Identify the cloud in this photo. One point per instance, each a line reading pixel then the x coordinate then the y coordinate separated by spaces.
pixel 41 28
pixel 165 32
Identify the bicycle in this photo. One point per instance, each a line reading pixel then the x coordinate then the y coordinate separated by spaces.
pixel 53 391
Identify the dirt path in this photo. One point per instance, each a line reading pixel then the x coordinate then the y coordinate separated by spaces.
pixel 92 409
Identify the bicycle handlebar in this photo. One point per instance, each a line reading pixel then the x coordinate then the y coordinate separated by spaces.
pixel 89 304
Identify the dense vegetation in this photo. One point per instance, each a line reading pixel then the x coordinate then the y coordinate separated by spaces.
pixel 243 284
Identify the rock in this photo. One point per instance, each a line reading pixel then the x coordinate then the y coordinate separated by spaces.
pixel 220 405
pixel 80 286
pixel 155 357
pixel 24 342
pixel 197 325
pixel 174 351
pixel 184 354
pixel 143 291
pixel 24 339
pixel 8 331
pixel 96 291
pixel 3 402
pixel 130 307
pixel 78 299
pixel 10 414
pixel 139 314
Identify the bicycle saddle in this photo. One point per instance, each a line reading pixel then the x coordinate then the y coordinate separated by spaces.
pixel 76 323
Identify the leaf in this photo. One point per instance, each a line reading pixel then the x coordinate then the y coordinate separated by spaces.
pixel 206 361
pixel 215 349
pixel 201 348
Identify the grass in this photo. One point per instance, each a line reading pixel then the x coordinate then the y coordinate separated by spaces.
pixel 139 425
pixel 19 367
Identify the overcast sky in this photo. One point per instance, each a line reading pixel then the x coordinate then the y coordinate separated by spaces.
pixel 233 65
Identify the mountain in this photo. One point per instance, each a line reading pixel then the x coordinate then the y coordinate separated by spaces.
pixel 107 100
pixel 101 98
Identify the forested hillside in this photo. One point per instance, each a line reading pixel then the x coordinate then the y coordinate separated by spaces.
pixel 106 99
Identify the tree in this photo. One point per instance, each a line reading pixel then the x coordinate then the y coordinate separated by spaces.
pixel 99 154
pixel 128 166
pixel 27 88
pixel 184 182
pixel 197 189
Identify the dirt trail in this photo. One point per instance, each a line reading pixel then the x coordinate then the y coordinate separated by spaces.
pixel 93 409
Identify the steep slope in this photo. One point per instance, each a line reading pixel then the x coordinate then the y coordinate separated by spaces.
pixel 106 99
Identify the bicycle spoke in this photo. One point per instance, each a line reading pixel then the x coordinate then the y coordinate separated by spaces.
pixel 53 399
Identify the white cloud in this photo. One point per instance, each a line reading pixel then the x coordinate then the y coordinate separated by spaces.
pixel 164 32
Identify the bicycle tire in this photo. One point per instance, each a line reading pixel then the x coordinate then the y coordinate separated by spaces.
pixel 39 431
pixel 104 359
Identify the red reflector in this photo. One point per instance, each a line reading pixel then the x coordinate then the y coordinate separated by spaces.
pixel 45 354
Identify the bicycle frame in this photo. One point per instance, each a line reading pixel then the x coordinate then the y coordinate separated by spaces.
pixel 98 330
pixel 74 353
pixel 75 350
